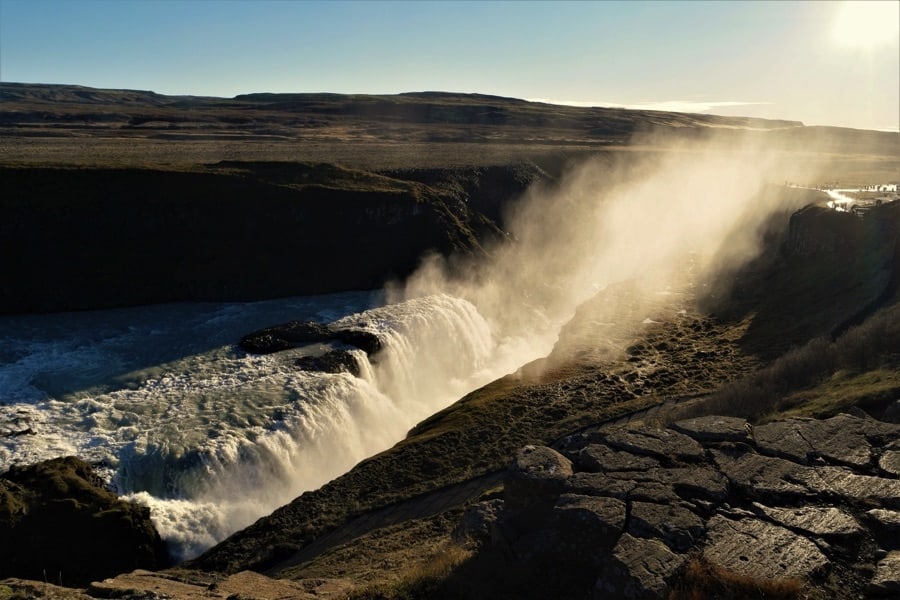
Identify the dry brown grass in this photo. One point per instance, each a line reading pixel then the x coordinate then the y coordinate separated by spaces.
pixel 701 580
pixel 422 580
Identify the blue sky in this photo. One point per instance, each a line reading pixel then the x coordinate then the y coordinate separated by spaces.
pixel 771 59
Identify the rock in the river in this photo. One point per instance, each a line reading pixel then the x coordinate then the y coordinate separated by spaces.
pixel 335 361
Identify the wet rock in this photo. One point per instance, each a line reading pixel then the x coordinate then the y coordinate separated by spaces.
pixel 366 341
pixel 300 333
pixel 827 522
pixel 335 361
pixel 662 443
pixel 637 569
pixel 281 337
pixel 752 547
pixel 677 527
pixel 886 581
pixel 715 429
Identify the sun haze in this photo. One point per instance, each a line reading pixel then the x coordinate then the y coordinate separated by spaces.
pixel 867 24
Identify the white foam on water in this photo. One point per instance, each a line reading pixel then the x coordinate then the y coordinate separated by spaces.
pixel 213 438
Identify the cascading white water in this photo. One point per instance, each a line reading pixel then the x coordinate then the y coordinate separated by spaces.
pixel 212 439
pixel 435 349
pixel 215 439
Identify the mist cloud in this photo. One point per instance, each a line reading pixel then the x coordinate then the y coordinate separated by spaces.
pixel 611 219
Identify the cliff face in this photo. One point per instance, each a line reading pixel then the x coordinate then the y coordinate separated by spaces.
pixel 96 238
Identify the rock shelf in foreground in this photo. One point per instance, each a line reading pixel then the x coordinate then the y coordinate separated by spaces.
pixel 816 502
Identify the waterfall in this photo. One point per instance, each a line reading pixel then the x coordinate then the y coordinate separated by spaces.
pixel 435 349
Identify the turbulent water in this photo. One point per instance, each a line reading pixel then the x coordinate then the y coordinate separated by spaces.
pixel 178 418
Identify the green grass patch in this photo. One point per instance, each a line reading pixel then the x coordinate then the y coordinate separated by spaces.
pixel 843 389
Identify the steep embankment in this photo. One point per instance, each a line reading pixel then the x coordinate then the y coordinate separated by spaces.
pixel 598 374
pixel 97 238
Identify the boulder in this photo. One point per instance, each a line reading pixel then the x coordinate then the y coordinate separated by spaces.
pixel 334 361
pixel 763 478
pixel 535 479
pixel 301 333
pixel 281 337
pixel 58 522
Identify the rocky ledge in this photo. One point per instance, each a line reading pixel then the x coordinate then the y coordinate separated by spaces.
pixel 59 523
pixel 802 504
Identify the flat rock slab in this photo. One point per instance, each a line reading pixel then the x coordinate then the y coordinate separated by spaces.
pixel 889 463
pixel 753 547
pixel 715 429
pixel 763 477
pixel 850 487
pixel 663 443
pixel 597 458
pixel 886 581
pixel 843 439
pixel 637 569
pixel 826 522
pixel 676 526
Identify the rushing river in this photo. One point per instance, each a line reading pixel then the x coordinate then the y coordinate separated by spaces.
pixel 175 416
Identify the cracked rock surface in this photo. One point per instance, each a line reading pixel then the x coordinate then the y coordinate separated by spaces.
pixel 799 500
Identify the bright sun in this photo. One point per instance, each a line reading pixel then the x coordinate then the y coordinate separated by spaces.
pixel 867 24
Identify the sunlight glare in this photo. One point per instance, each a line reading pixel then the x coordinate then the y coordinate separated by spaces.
pixel 867 24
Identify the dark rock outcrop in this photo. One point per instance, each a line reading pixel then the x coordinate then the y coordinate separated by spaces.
pixel 103 237
pixel 299 333
pixel 58 522
pixel 335 361
pixel 794 501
